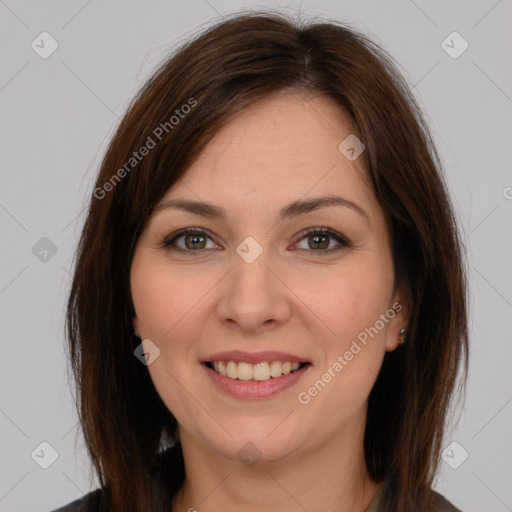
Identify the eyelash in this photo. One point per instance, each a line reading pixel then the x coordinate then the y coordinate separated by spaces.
pixel 342 240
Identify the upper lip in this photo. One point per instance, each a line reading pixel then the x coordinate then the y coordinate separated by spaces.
pixel 253 357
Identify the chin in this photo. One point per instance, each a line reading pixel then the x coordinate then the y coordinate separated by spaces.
pixel 257 441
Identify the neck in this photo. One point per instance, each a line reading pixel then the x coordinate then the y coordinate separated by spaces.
pixel 329 476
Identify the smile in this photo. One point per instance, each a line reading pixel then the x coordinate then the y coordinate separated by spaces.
pixel 254 375
pixel 261 371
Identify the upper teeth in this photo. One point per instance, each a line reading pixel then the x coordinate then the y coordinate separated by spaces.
pixel 258 371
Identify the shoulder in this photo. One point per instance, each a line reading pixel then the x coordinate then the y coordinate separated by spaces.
pixel 441 504
pixel 170 464
pixel 88 503
pixel 436 501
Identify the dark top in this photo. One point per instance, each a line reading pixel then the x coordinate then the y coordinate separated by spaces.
pixel 91 501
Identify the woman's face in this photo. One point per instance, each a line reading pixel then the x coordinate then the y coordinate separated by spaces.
pixel 260 285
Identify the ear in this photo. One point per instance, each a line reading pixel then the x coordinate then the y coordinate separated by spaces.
pixel 399 313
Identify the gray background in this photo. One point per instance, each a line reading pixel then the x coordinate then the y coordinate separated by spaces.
pixel 57 116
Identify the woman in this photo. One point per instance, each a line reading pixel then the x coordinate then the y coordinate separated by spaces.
pixel 268 308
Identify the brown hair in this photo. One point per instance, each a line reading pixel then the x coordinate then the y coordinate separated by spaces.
pixel 218 73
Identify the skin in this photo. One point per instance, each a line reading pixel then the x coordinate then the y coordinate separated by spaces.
pixel 278 150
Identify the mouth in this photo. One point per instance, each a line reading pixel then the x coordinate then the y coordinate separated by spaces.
pixel 251 376
pixel 262 371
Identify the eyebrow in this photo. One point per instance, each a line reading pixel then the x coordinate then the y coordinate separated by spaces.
pixel 291 210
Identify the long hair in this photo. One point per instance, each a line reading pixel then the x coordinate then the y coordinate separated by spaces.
pixel 193 94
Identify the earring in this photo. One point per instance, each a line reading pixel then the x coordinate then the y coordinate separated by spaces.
pixel 402 335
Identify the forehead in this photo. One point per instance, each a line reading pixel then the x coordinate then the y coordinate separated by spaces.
pixel 277 150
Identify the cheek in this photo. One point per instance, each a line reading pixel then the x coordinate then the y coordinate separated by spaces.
pixel 166 304
pixel 351 306
pixel 347 299
pixel 162 299
pixel 152 304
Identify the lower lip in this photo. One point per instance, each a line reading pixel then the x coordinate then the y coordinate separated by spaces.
pixel 254 389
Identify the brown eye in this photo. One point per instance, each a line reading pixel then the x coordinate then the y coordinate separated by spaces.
pixel 190 240
pixel 319 240
pixel 194 241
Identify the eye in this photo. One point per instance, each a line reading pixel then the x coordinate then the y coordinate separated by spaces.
pixel 318 241
pixel 194 240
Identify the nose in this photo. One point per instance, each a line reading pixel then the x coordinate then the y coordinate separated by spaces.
pixel 254 297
